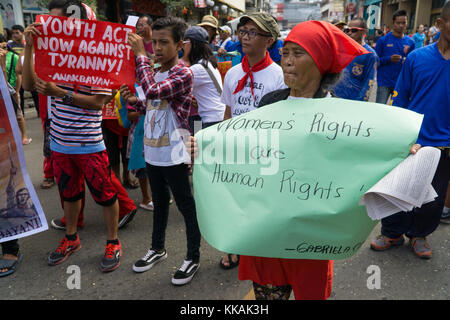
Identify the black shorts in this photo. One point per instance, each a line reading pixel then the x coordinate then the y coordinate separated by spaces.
pixel 115 148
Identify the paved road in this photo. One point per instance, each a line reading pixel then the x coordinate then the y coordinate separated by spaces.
pixel 403 276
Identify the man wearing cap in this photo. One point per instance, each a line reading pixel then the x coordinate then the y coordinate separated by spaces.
pixel 339 23
pixel 358 77
pixel 210 24
pixel 225 36
pixel 246 83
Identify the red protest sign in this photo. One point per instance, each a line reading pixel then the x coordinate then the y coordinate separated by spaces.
pixel 84 52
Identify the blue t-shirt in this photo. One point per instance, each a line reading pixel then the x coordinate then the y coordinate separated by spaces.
pixel 436 36
pixel 234 46
pixel 274 52
pixel 387 46
pixel 424 87
pixel 418 40
pixel 357 78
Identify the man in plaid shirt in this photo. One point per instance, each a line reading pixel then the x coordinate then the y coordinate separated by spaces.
pixel 168 101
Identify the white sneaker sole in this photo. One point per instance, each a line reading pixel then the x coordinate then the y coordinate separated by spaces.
pixel 146 268
pixel 180 282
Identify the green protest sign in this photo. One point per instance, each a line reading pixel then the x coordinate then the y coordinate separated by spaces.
pixel 285 180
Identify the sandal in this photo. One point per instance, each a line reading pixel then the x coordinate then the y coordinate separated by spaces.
pixel 47 183
pixel 131 184
pixel 232 263
pixel 10 265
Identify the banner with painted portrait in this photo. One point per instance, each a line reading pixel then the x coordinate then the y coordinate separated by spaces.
pixel 21 213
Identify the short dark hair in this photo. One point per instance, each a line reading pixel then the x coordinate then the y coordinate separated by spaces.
pixel 64 6
pixel 201 51
pixel 362 22
pixel 18 27
pixel 2 38
pixel 7 33
pixel 177 25
pixel 399 13
pixel 149 19
pixel 240 24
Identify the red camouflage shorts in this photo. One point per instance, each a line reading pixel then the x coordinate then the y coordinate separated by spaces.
pixel 71 170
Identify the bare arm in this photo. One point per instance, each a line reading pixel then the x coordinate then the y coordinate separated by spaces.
pixel 3 61
pixel 29 77
pixel 227 114
pixel 93 102
pixel 18 77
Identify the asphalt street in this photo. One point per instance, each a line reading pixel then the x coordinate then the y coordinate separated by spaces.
pixel 402 275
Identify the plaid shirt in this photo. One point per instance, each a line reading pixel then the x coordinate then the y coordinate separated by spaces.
pixel 176 89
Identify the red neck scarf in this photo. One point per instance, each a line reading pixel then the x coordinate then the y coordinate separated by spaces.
pixel 264 63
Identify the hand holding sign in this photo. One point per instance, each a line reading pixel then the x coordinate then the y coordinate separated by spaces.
pixel 127 95
pixel 30 32
pixel 136 44
pixel 49 89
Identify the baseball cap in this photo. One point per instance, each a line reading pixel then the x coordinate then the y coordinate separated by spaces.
pixel 265 21
pixel 225 29
pixel 338 22
pixel 197 33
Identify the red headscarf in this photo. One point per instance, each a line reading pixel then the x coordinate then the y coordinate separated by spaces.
pixel 331 49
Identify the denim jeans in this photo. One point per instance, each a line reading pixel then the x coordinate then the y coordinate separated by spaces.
pixel 421 222
pixel 383 94
pixel 177 178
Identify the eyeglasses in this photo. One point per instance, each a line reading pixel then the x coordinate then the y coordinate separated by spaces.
pixel 252 33
pixel 353 30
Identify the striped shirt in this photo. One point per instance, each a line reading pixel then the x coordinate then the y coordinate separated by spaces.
pixel 75 130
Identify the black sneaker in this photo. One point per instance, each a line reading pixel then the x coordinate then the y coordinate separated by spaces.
pixel 152 257
pixel 445 217
pixel 185 273
pixel 57 224
pixel 126 219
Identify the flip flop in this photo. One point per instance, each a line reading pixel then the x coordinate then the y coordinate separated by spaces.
pixel 232 263
pixel 131 185
pixel 149 206
pixel 10 265
pixel 47 183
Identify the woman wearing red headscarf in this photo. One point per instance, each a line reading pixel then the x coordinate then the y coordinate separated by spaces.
pixel 313 55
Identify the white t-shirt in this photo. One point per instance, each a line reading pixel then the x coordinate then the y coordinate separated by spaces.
pixel 210 107
pixel 265 81
pixel 163 138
